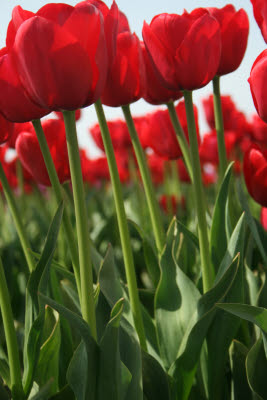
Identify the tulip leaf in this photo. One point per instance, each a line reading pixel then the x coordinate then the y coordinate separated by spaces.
pixel 175 301
pixel 256 366
pixel 184 368
pixel 4 371
pixel 224 327
pixel 109 375
pixel 251 222
pixel 129 344
pixel 155 381
pixel 48 363
pixel 65 394
pixel 77 374
pixel 218 237
pixel 34 314
pixel 256 315
pixel 240 387
pixel 90 359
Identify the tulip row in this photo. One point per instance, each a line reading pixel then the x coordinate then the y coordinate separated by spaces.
pixel 142 321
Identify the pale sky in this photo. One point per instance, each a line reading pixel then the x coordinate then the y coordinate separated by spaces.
pixel 137 11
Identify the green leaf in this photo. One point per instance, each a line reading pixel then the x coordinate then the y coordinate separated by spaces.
pixel 4 371
pixel 188 234
pixel 256 315
pixel 48 363
pixel 218 238
pixel 65 394
pixel 256 366
pixel 3 393
pixel 43 393
pixel 77 374
pixel 129 345
pixel 109 376
pixel 184 368
pixel 240 387
pixel 224 327
pixel 175 302
pixel 34 314
pixel 90 345
pixel 155 382
pixel 250 221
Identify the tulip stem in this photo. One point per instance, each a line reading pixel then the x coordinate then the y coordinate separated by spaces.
pixel 181 138
pixel 153 205
pixel 86 272
pixel 207 269
pixel 59 198
pixel 123 227
pixel 219 127
pixel 11 339
pixel 17 219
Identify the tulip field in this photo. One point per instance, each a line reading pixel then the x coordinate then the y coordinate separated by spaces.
pixel 141 273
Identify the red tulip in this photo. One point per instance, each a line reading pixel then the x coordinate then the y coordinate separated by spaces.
pixel 6 129
pixel 260 14
pixel 185 49
pixel 234 35
pixel 172 202
pixel 61 56
pixel 15 104
pixel 156 167
pixel 18 128
pixel 257 81
pixel 160 135
pixel 119 135
pixel 255 173
pixel 30 154
pixel 259 130
pixel 155 91
pixel 263 217
pixel 126 76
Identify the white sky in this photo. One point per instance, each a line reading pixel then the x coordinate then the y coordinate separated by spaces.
pixel 137 11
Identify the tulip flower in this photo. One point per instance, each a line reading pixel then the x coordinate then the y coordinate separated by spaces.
pixel 185 48
pixel 257 81
pixel 255 173
pixel 263 217
pixel 6 129
pixel 15 103
pixel 234 36
pixel 126 76
pixel 61 56
pixel 260 14
pixel 119 135
pixel 155 91
pixel 30 154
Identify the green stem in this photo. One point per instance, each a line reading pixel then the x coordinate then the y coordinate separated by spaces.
pixel 123 227
pixel 207 270
pixel 219 127
pixel 17 219
pixel 86 272
pixel 59 197
pixel 11 339
pixel 176 179
pixel 153 205
pixel 181 138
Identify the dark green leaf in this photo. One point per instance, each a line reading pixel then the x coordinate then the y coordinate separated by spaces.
pixel 240 387
pixel 218 238
pixel 184 368
pixel 109 377
pixel 175 302
pixel 256 366
pixel 155 382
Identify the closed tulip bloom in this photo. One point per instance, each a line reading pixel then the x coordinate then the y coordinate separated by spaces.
pixel 260 14
pixel 257 81
pixel 119 135
pixel 185 48
pixel 234 36
pixel 126 76
pixel 6 129
pixel 61 56
pixel 155 91
pixel 15 104
pixel 30 154
pixel 263 217
pixel 255 173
